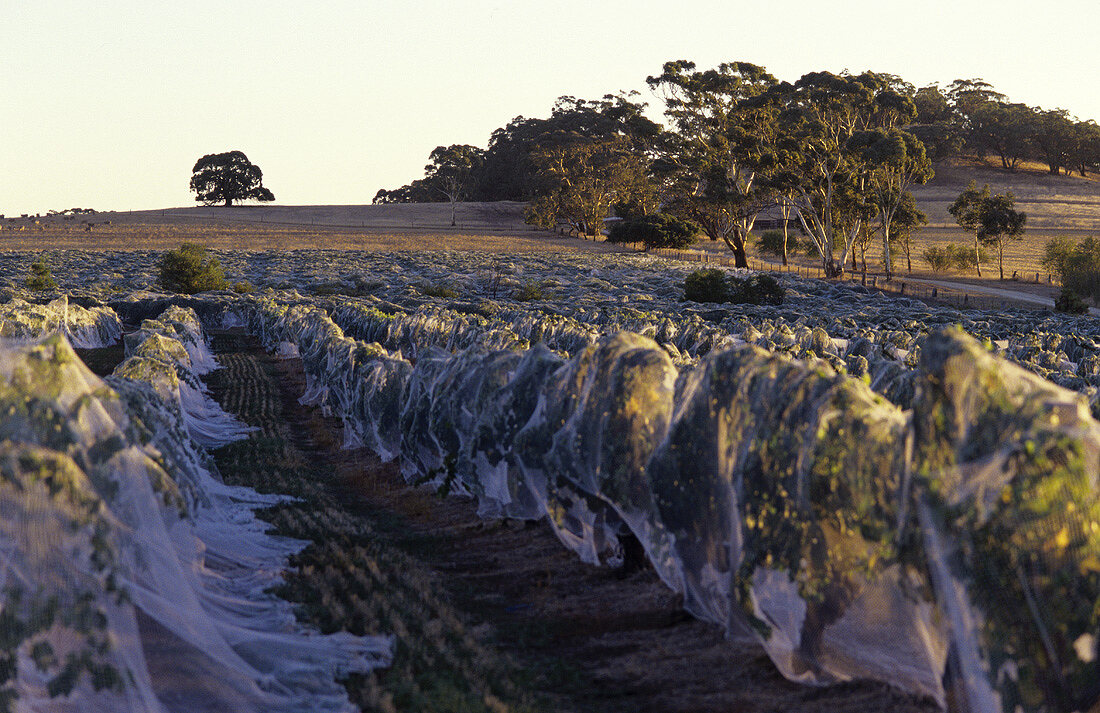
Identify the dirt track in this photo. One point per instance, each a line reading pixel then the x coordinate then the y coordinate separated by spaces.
pixel 572 637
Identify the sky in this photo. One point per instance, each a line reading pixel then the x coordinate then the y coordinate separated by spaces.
pixel 108 105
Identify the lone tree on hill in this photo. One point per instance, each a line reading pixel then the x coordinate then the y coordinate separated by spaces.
pixel 227 177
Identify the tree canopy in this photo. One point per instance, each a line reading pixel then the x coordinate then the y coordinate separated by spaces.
pixel 228 177
pixel 835 154
pixel 992 218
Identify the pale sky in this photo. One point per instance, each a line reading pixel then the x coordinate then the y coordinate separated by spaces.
pixel 108 104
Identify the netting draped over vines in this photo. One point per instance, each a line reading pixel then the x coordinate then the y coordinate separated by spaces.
pixel 787 502
pixel 133 579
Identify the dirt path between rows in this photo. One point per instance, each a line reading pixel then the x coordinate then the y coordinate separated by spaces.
pixel 595 639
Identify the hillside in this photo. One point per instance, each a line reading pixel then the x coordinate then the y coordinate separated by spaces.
pixel 1051 202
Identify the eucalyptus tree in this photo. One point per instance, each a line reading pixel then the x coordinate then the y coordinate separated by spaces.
pixel 908 219
pixel 451 172
pixel 814 158
pixel 1003 129
pixel 998 221
pixel 508 171
pixel 582 177
pixel 966 97
pixel 967 212
pixel 895 160
pixel 720 143
pixel 1053 137
pixel 1086 147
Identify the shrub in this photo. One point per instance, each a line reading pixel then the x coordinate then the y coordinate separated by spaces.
pixel 529 291
pixel 1070 302
pixel 1058 254
pixel 756 290
pixel 706 285
pixel 40 278
pixel 655 231
pixel 1078 265
pixel 771 242
pixel 712 285
pixel 937 258
pixel 443 291
pixel 960 257
pixel 541 213
pixel 243 288
pixel 190 269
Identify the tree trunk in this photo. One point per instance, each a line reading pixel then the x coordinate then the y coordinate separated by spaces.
pixel 228 202
pixel 737 247
pixel 977 256
pixel 886 249
pixel 785 213
pixel 1001 258
pixel 454 204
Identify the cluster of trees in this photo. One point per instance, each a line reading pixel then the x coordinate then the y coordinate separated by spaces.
pixel 833 154
pixel 992 218
pixel 969 116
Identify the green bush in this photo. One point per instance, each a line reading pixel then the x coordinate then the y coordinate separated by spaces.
pixel 712 285
pixel 959 257
pixel 770 242
pixel 655 231
pixel 190 269
pixel 1058 255
pixel 756 290
pixel 442 291
pixel 962 257
pixel 706 285
pixel 40 278
pixel 1078 265
pixel 530 291
pixel 243 288
pixel 937 258
pixel 1070 302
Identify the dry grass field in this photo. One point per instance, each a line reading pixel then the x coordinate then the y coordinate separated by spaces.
pixel 495 227
pixel 1057 206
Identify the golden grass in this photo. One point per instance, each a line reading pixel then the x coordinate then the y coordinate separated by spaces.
pixel 238 236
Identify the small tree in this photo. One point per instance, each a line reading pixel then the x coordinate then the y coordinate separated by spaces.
pixel 714 285
pixel 227 177
pixel 1000 221
pixel 908 219
pixel 451 172
pixel 40 278
pixel 967 213
pixel 190 269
